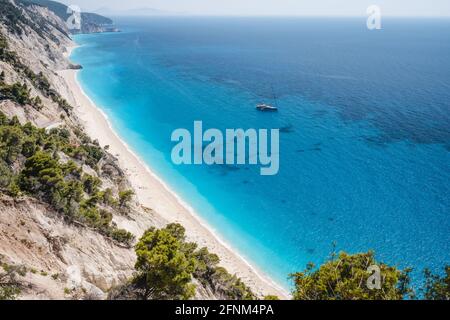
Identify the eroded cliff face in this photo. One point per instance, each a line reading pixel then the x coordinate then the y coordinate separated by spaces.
pixel 63 260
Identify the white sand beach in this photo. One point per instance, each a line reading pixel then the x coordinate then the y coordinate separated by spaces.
pixel 153 193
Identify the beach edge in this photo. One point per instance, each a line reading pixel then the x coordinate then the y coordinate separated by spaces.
pixel 154 193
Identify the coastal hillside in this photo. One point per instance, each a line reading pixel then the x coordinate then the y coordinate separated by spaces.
pixel 69 220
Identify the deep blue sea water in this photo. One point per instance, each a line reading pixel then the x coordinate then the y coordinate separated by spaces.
pixel 365 119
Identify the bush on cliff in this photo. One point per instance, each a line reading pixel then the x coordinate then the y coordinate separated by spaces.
pixel 10 282
pixel 345 276
pixel 437 287
pixel 166 265
pixel 30 164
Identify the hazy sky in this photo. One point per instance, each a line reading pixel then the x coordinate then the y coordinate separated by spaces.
pixel 273 7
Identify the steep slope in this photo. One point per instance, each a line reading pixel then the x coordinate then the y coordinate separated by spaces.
pixel 34 232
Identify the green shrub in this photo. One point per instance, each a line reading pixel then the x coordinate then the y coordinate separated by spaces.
pixel 107 197
pixel 207 270
pixel 11 140
pixel 437 287
pixel 6 175
pixel 91 184
pixel 164 271
pixel 10 284
pixel 344 277
pixel 166 264
pixel 13 189
pixel 122 236
pixel 125 197
pixel 43 176
pixel 271 297
pixel 17 92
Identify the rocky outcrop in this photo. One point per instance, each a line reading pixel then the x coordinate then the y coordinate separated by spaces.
pixel 62 259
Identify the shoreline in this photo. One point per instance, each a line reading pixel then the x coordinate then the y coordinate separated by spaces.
pixel 152 192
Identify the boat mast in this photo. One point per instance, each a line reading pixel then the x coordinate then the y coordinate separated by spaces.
pixel 274 97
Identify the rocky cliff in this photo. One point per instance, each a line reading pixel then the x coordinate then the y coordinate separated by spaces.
pixel 63 259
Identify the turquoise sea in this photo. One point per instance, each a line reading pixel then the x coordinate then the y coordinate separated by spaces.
pixel 364 118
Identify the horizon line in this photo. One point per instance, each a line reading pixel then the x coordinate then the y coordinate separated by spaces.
pixel 265 16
